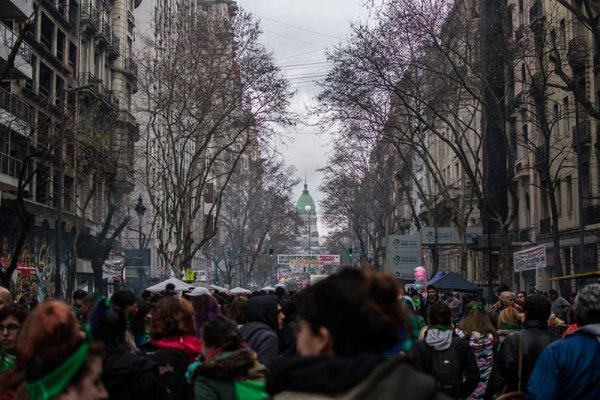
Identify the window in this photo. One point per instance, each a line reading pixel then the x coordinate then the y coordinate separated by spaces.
pixel 556 119
pixel 565 116
pixel 558 196
pixel 563 35
pixel 569 195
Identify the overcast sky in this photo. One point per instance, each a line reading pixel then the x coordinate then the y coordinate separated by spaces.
pixel 298 32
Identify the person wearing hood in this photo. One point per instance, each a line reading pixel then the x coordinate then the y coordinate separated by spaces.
pixel 570 368
pixel 347 323
pixel 229 370
pixel 446 356
pixel 172 343
pixel 265 318
pixel 126 375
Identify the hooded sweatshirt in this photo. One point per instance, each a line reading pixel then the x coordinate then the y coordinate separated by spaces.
pixel 173 355
pixel 441 340
pixel 261 330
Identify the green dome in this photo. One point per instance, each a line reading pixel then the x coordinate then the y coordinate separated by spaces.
pixel 305 200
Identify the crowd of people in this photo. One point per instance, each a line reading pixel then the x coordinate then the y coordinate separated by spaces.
pixel 354 335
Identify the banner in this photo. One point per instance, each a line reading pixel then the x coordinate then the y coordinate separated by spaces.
pixel 533 258
pixel 305 259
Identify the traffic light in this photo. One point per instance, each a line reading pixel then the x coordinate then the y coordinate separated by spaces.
pixel 350 253
pixel 271 254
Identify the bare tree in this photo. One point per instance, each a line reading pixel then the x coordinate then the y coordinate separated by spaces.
pixel 207 86
pixel 259 214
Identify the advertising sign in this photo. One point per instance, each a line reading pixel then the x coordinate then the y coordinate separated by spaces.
pixel 530 259
pixel 305 259
pixel 403 255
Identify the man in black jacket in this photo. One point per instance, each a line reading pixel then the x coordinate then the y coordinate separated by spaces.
pixel 432 298
pixel 534 337
pixel 446 356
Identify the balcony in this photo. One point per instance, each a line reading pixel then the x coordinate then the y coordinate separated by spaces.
pixel 131 67
pixel 108 98
pixel 22 65
pixel 585 135
pixel 90 18
pixel 113 48
pixel 578 52
pixel 104 33
pixel 10 169
pixel 19 10
pixel 545 226
pixel 91 84
pixel 15 114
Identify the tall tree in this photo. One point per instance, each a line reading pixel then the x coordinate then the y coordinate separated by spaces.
pixel 208 90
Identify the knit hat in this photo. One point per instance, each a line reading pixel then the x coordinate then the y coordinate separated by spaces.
pixel 587 300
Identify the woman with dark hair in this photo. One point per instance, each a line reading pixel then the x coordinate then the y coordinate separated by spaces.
pixel 205 307
pixel 229 371
pixel 172 343
pixel 126 374
pixel 235 311
pixel 347 322
pixel 59 360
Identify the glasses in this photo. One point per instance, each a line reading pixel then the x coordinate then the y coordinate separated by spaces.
pixel 10 327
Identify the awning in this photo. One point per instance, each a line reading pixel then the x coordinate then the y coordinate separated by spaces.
pixel 576 276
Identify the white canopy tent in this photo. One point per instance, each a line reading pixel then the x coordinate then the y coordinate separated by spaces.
pixel 239 290
pixel 180 286
pixel 219 288
pixel 268 289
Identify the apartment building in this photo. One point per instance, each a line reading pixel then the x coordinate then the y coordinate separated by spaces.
pixel 71 83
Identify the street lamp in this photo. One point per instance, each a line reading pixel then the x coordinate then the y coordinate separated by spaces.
pixel 307 208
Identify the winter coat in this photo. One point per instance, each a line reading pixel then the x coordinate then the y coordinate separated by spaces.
pixel 568 368
pixel 535 338
pixel 436 340
pixel 173 355
pixel 261 330
pixel 216 379
pixel 127 375
pixel 361 377
pixel 425 305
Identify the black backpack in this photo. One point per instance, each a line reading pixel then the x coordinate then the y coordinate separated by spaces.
pixel 446 368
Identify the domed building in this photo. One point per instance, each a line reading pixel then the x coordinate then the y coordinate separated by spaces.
pixel 308 240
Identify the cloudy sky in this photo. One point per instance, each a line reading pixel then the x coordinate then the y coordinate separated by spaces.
pixel 298 32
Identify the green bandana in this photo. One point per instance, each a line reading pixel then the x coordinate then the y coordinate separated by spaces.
pixel 56 381
pixel 7 361
pixel 441 327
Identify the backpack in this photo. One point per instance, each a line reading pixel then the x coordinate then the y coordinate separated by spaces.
pixel 446 368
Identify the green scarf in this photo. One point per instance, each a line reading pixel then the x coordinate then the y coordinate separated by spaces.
pixel 7 361
pixel 57 381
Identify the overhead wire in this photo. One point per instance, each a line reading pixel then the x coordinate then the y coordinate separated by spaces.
pixel 298 27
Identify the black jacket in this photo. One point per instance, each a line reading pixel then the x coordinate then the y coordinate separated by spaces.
pixel 261 330
pixel 172 366
pixel 535 338
pixel 365 376
pixel 127 375
pixel 423 358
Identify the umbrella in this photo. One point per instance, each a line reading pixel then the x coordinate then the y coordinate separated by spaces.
pixel 219 288
pixel 180 286
pixel 279 285
pixel 268 289
pixel 239 290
